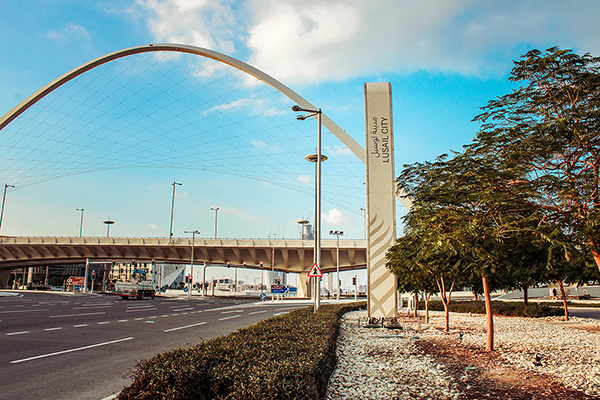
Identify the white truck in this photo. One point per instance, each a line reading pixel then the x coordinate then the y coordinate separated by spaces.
pixel 138 290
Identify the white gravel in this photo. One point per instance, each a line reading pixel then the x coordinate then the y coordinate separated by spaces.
pixel 384 364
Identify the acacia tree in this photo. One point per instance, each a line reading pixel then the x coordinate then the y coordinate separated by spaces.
pixel 550 127
pixel 404 262
pixel 467 208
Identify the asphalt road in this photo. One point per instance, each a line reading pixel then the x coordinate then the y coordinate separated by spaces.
pixel 77 346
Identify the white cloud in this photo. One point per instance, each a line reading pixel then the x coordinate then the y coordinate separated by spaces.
pixel 239 213
pixel 304 179
pixel 69 32
pixel 314 40
pixel 153 226
pixel 334 217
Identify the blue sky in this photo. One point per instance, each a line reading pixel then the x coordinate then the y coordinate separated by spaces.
pixel 445 59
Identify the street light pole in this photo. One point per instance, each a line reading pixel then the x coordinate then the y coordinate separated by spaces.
pixel 318 160
pixel 172 208
pixel 337 234
pixel 108 223
pixel 189 294
pixel 81 223
pixel 3 200
pixel 216 210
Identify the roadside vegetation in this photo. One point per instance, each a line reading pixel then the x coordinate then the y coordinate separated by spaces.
pixel 520 205
pixel 284 357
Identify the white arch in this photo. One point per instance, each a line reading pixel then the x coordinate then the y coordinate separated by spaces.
pixel 328 123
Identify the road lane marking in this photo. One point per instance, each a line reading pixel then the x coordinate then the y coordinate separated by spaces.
pixel 23 311
pixel 77 315
pixel 232 311
pixel 80 325
pixel 70 350
pixel 257 312
pixel 123 320
pixel 280 313
pixel 17 333
pixel 184 327
pixel 141 309
pixel 183 309
pixel 138 319
pixel 53 329
pixel 230 317
pixel 103 323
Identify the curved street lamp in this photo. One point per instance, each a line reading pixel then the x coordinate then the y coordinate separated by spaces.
pixel 108 223
pixel 317 159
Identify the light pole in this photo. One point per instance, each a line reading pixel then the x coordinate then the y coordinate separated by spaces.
pixel 216 210
pixel 189 294
pixel 172 207
pixel 302 222
pixel 81 223
pixel 318 159
pixel 108 223
pixel 337 234
pixel 3 200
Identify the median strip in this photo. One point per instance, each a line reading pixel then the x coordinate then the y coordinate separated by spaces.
pixel 71 350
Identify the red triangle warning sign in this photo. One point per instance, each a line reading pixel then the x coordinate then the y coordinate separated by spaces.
pixel 315 272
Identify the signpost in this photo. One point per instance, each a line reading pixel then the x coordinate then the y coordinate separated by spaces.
pixel 76 280
pixel 315 272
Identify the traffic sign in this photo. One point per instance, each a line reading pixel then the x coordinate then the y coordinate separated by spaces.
pixel 315 272
pixel 279 289
pixel 263 296
pixel 76 280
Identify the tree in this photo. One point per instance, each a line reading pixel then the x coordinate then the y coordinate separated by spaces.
pixel 550 127
pixel 404 260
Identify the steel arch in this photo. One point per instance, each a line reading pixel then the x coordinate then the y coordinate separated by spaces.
pixel 328 123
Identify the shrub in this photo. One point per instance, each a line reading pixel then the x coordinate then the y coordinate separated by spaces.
pixel 285 357
pixel 533 310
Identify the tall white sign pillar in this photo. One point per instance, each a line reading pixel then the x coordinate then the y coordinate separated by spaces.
pixel 381 207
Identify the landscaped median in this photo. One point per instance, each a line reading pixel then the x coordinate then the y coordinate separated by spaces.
pixel 286 357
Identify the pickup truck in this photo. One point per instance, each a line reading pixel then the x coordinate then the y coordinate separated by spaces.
pixel 138 290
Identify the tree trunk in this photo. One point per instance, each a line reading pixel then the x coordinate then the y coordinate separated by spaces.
pixel 427 294
pixel 488 313
pixel 416 314
pixel 564 299
pixel 525 299
pixel 445 300
pixel 595 254
pixel 475 297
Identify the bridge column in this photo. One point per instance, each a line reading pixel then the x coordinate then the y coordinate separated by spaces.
pixel 4 277
pixel 304 287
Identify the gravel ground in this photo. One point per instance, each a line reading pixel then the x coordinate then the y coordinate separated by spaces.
pixel 421 361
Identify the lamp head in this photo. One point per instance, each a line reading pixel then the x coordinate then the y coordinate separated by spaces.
pixel 300 117
pixel 296 108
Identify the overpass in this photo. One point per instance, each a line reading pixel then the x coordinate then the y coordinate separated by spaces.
pixel 282 255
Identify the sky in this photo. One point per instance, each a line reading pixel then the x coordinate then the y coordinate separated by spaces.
pixel 444 59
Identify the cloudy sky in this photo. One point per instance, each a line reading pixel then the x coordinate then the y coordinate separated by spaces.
pixel 444 59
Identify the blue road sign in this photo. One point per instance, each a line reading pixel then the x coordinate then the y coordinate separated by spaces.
pixel 278 289
pixel 263 296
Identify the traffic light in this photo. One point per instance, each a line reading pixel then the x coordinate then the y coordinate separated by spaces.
pixel 244 264
pixel 261 264
pixel 93 274
pixel 354 280
pixel 228 265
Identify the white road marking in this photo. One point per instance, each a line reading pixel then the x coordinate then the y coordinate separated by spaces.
pixel 184 327
pixel 233 316
pixel 103 323
pixel 22 311
pixel 17 333
pixel 123 320
pixel 77 315
pixel 71 350
pixel 80 325
pixel 257 312
pixel 232 311
pixel 53 329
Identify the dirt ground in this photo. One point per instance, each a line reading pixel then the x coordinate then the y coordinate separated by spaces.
pixel 486 375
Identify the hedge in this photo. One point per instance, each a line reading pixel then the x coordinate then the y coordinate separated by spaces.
pixel 285 357
pixel 533 310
